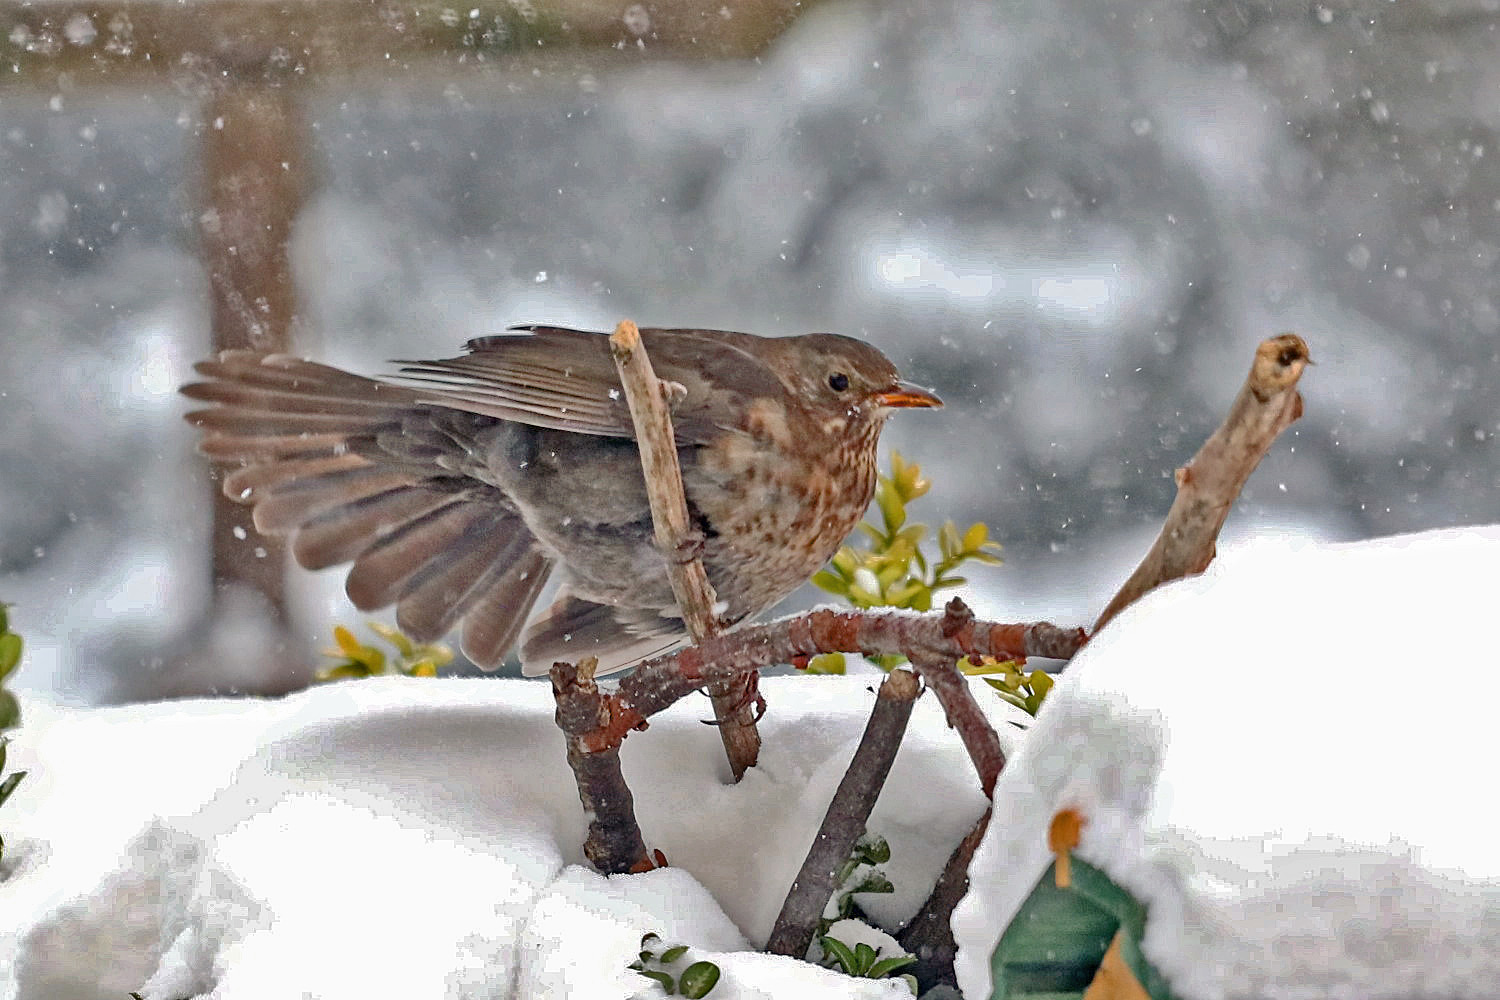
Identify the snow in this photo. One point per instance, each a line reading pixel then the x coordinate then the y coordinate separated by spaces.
pixel 243 848
pixel 1276 757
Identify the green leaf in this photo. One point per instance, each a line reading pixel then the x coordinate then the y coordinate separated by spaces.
pixel 10 710
pixel 874 882
pixel 698 979
pixel 673 953
pixel 839 952
pixel 892 510
pixel 3 744
pixel 648 937
pixel 10 653
pixel 911 983
pixel 864 956
pixel 348 645
pixel 976 536
pixel 826 663
pixel 4 617
pixel 886 966
pixel 948 540
pixel 873 849
pixel 394 637
pixel 9 785
pixel 667 982
pixel 831 582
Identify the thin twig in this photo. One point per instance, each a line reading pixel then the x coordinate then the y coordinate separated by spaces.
pixel 676 537
pixel 614 844
pixel 1207 487
pixel 844 823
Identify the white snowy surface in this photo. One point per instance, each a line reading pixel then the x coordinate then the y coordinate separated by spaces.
pixel 1290 760
pixel 421 839
pixel 1287 758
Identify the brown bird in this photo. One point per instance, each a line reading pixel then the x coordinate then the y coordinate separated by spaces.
pixel 458 494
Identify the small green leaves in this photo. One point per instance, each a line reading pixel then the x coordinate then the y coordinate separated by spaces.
pixel 893 571
pixel 857 874
pixel 696 980
pixel 1024 690
pixel 864 961
pixel 359 660
pixel 10 653
pixel 11 647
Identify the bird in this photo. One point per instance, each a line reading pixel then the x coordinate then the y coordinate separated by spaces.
pixel 458 487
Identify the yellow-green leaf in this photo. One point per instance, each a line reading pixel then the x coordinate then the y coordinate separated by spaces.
pixel 831 582
pixel 826 663
pixel 976 536
pixel 891 510
pixel 345 638
pixel 948 541
pixel 10 653
pixel 845 562
pixel 423 668
pixel 392 636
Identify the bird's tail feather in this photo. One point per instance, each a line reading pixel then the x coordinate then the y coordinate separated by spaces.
pixel 444 548
pixel 572 628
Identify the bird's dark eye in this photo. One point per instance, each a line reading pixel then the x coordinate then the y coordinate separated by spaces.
pixel 838 381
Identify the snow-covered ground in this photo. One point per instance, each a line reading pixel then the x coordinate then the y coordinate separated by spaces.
pixel 1286 757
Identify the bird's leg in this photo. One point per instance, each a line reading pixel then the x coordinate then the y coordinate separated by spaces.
pixel 748 694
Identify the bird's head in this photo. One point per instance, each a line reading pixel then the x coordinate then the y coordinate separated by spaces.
pixel 847 379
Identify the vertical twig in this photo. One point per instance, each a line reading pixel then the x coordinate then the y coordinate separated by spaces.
pixel 614 844
pixel 676 536
pixel 847 814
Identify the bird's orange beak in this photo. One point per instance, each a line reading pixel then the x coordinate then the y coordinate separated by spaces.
pixel 904 394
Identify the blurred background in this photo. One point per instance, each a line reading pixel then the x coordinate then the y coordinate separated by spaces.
pixel 1074 218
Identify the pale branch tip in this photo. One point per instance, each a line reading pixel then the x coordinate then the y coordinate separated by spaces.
pixel 1267 404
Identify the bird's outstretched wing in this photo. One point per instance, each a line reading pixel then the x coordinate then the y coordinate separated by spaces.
pixel 356 470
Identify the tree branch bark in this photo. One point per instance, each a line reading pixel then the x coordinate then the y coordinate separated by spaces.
pixel 678 540
pixel 1207 487
pixel 844 823
pixel 614 844
pixel 657 683
pixel 929 935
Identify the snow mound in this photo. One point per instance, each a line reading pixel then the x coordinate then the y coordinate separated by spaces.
pixel 421 839
pixel 1280 758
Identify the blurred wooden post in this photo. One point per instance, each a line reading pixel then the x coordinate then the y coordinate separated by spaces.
pixel 252 189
